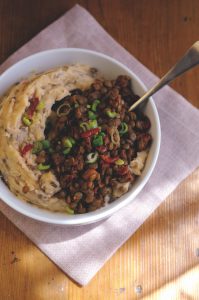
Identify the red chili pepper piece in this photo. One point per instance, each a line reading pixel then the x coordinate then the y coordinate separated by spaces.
pixel 123 170
pixel 101 149
pixel 90 132
pixel 31 109
pixel 25 149
pixel 109 160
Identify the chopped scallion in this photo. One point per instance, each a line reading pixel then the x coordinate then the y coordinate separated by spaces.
pixel 84 126
pixel 26 121
pixel 41 105
pixel 98 140
pixel 66 151
pixel 91 115
pixel 124 128
pixel 92 157
pixel 72 140
pixel 45 144
pixel 92 124
pixel 111 114
pixel 95 104
pixel 67 143
pixel 42 167
pixel 69 210
pixel 37 147
pixel 119 162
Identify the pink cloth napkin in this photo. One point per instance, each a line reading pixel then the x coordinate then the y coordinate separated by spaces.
pixel 81 251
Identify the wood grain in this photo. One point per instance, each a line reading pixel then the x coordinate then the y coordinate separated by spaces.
pixel 160 259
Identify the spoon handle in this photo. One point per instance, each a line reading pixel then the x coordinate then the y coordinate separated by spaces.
pixel 188 61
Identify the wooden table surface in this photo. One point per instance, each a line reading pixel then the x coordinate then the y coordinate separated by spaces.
pixel 161 260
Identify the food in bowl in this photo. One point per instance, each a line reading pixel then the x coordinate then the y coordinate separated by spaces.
pixel 68 142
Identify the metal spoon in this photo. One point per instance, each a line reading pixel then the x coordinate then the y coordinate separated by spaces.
pixel 188 61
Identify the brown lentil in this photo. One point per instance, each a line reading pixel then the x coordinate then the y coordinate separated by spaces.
pixel 85 186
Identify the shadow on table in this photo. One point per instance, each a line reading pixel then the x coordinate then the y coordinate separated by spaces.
pixel 175 228
pixel 183 287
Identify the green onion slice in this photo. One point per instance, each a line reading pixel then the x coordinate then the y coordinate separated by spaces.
pixel 92 115
pixel 95 104
pixel 40 145
pixel 26 121
pixel 92 157
pixel 111 114
pixel 72 140
pixel 37 147
pixel 69 210
pixel 119 162
pixel 42 167
pixel 89 125
pixel 40 106
pixel 66 151
pixel 124 128
pixel 45 144
pixel 63 110
pixel 92 124
pixel 98 140
pixel 84 126
pixel 67 143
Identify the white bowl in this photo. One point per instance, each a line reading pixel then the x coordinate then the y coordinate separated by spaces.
pixel 110 68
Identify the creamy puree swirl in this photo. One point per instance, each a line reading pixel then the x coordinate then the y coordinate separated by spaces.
pixel 20 172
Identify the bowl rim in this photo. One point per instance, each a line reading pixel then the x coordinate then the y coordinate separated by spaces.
pixel 106 211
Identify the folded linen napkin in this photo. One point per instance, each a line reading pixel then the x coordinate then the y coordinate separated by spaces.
pixel 177 159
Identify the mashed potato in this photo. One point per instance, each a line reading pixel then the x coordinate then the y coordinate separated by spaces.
pixel 19 171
